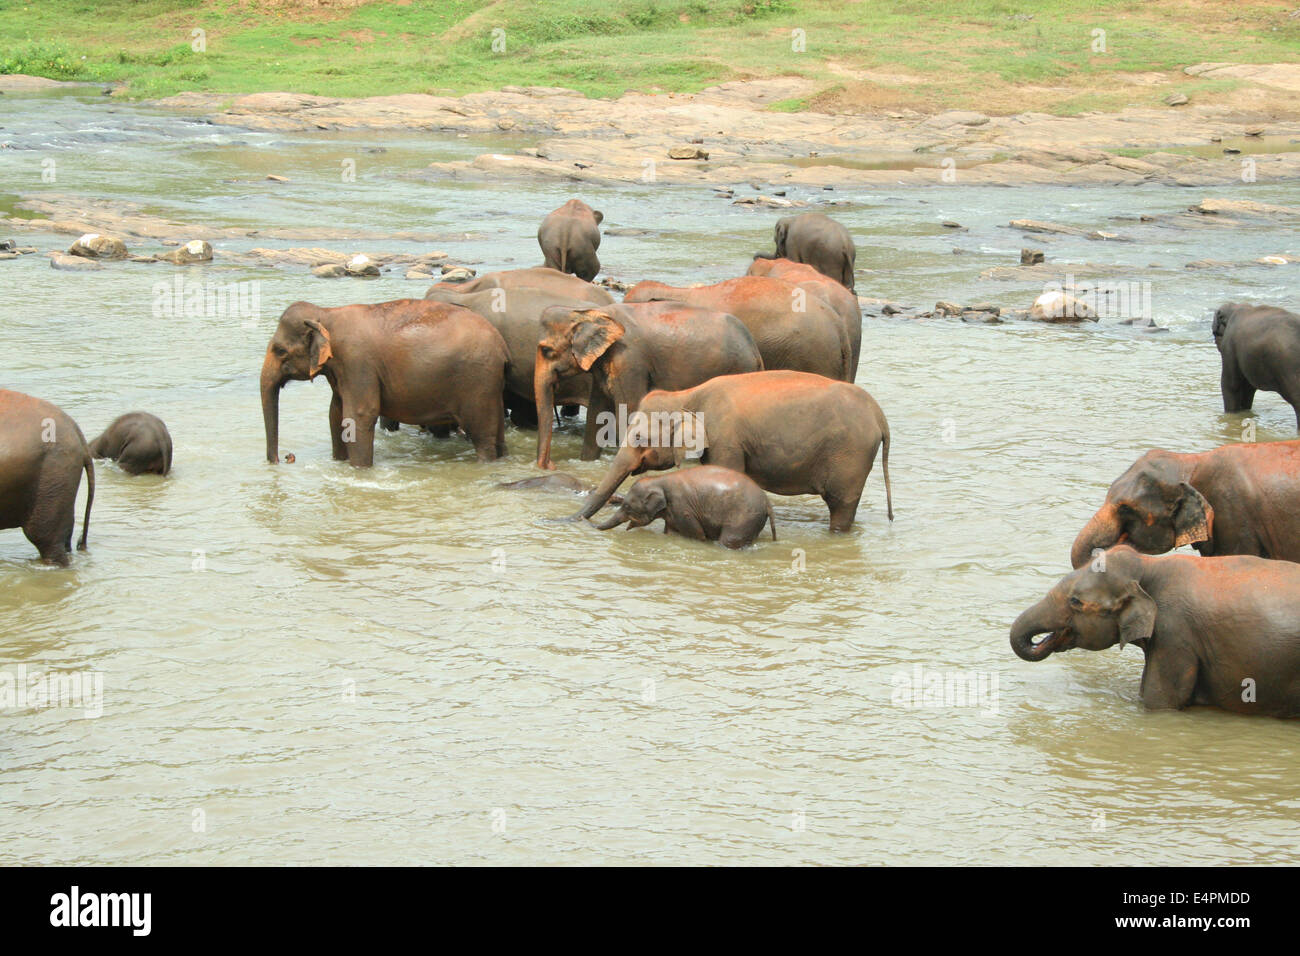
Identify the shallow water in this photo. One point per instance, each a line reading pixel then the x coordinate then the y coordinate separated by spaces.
pixel 409 664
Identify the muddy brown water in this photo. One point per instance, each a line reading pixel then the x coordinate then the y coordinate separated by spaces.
pixel 311 664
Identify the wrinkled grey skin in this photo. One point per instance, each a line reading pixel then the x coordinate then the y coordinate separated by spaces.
pixel 1259 346
pixel 516 313
pixel 42 457
pixel 819 241
pixel 138 442
pixel 1218 632
pixel 706 503
pixel 569 238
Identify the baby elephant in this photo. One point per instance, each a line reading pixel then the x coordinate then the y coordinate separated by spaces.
pixel 138 442
pixel 707 503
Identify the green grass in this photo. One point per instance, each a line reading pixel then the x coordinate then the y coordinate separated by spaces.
pixel 975 53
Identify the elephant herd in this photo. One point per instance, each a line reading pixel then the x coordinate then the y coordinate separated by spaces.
pixel 753 378
pixel 1221 629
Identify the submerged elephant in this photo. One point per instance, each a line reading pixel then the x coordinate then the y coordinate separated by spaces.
pixel 535 277
pixel 570 236
pixel 1259 346
pixel 794 330
pixel 1219 632
pixel 630 350
pixel 791 432
pixel 416 362
pixel 844 302
pixel 819 241
pixel 1236 499
pixel 706 503
pixel 42 457
pixel 138 442
pixel 516 313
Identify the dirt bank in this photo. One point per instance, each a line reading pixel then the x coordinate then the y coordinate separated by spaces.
pixel 733 137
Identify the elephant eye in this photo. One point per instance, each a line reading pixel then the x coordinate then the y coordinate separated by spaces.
pixel 1076 604
pixel 547 351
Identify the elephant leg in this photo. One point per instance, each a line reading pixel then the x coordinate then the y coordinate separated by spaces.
pixel 599 405
pixel 388 424
pixel 733 538
pixel 523 411
pixel 361 450
pixel 485 426
pixel 1238 394
pixel 440 431
pixel 50 525
pixel 843 496
pixel 340 448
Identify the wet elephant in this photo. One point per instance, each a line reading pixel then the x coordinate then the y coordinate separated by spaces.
pixel 791 432
pixel 42 457
pixel 138 442
pixel 536 277
pixel 706 503
pixel 1259 347
pixel 416 362
pixel 844 302
pixel 1218 632
pixel 1236 499
pixel 630 350
pixel 569 237
pixel 819 241
pixel 794 329
pixel 516 313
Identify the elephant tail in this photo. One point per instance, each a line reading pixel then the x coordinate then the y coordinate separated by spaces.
pixel 771 520
pixel 847 269
pixel 884 461
pixel 89 466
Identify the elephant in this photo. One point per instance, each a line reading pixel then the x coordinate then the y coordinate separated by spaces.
pixel 1235 499
pixel 791 432
pixel 559 284
pixel 138 442
pixel 516 313
pixel 819 241
pixel 570 236
pixel 793 330
pixel 418 362
pixel 630 350
pixel 844 302
pixel 1217 632
pixel 1260 349
pixel 706 503
pixel 42 456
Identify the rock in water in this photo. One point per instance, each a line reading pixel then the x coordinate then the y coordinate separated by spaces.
pixel 197 250
pixel 94 246
pixel 1057 306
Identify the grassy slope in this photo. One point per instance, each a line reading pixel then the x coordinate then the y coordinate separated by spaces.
pixel 995 55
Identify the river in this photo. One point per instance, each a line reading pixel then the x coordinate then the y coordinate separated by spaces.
pixel 309 664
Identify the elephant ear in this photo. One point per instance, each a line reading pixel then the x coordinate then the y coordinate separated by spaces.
pixel 690 440
pixel 1193 518
pixel 319 346
pixel 1138 619
pixel 782 227
pixel 593 333
pixel 600 216
pixel 654 502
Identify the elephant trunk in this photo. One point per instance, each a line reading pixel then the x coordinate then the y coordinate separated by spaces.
pixel 1101 532
pixel 619 469
pixel 271 385
pixel 613 521
pixel 544 395
pixel 1045 617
